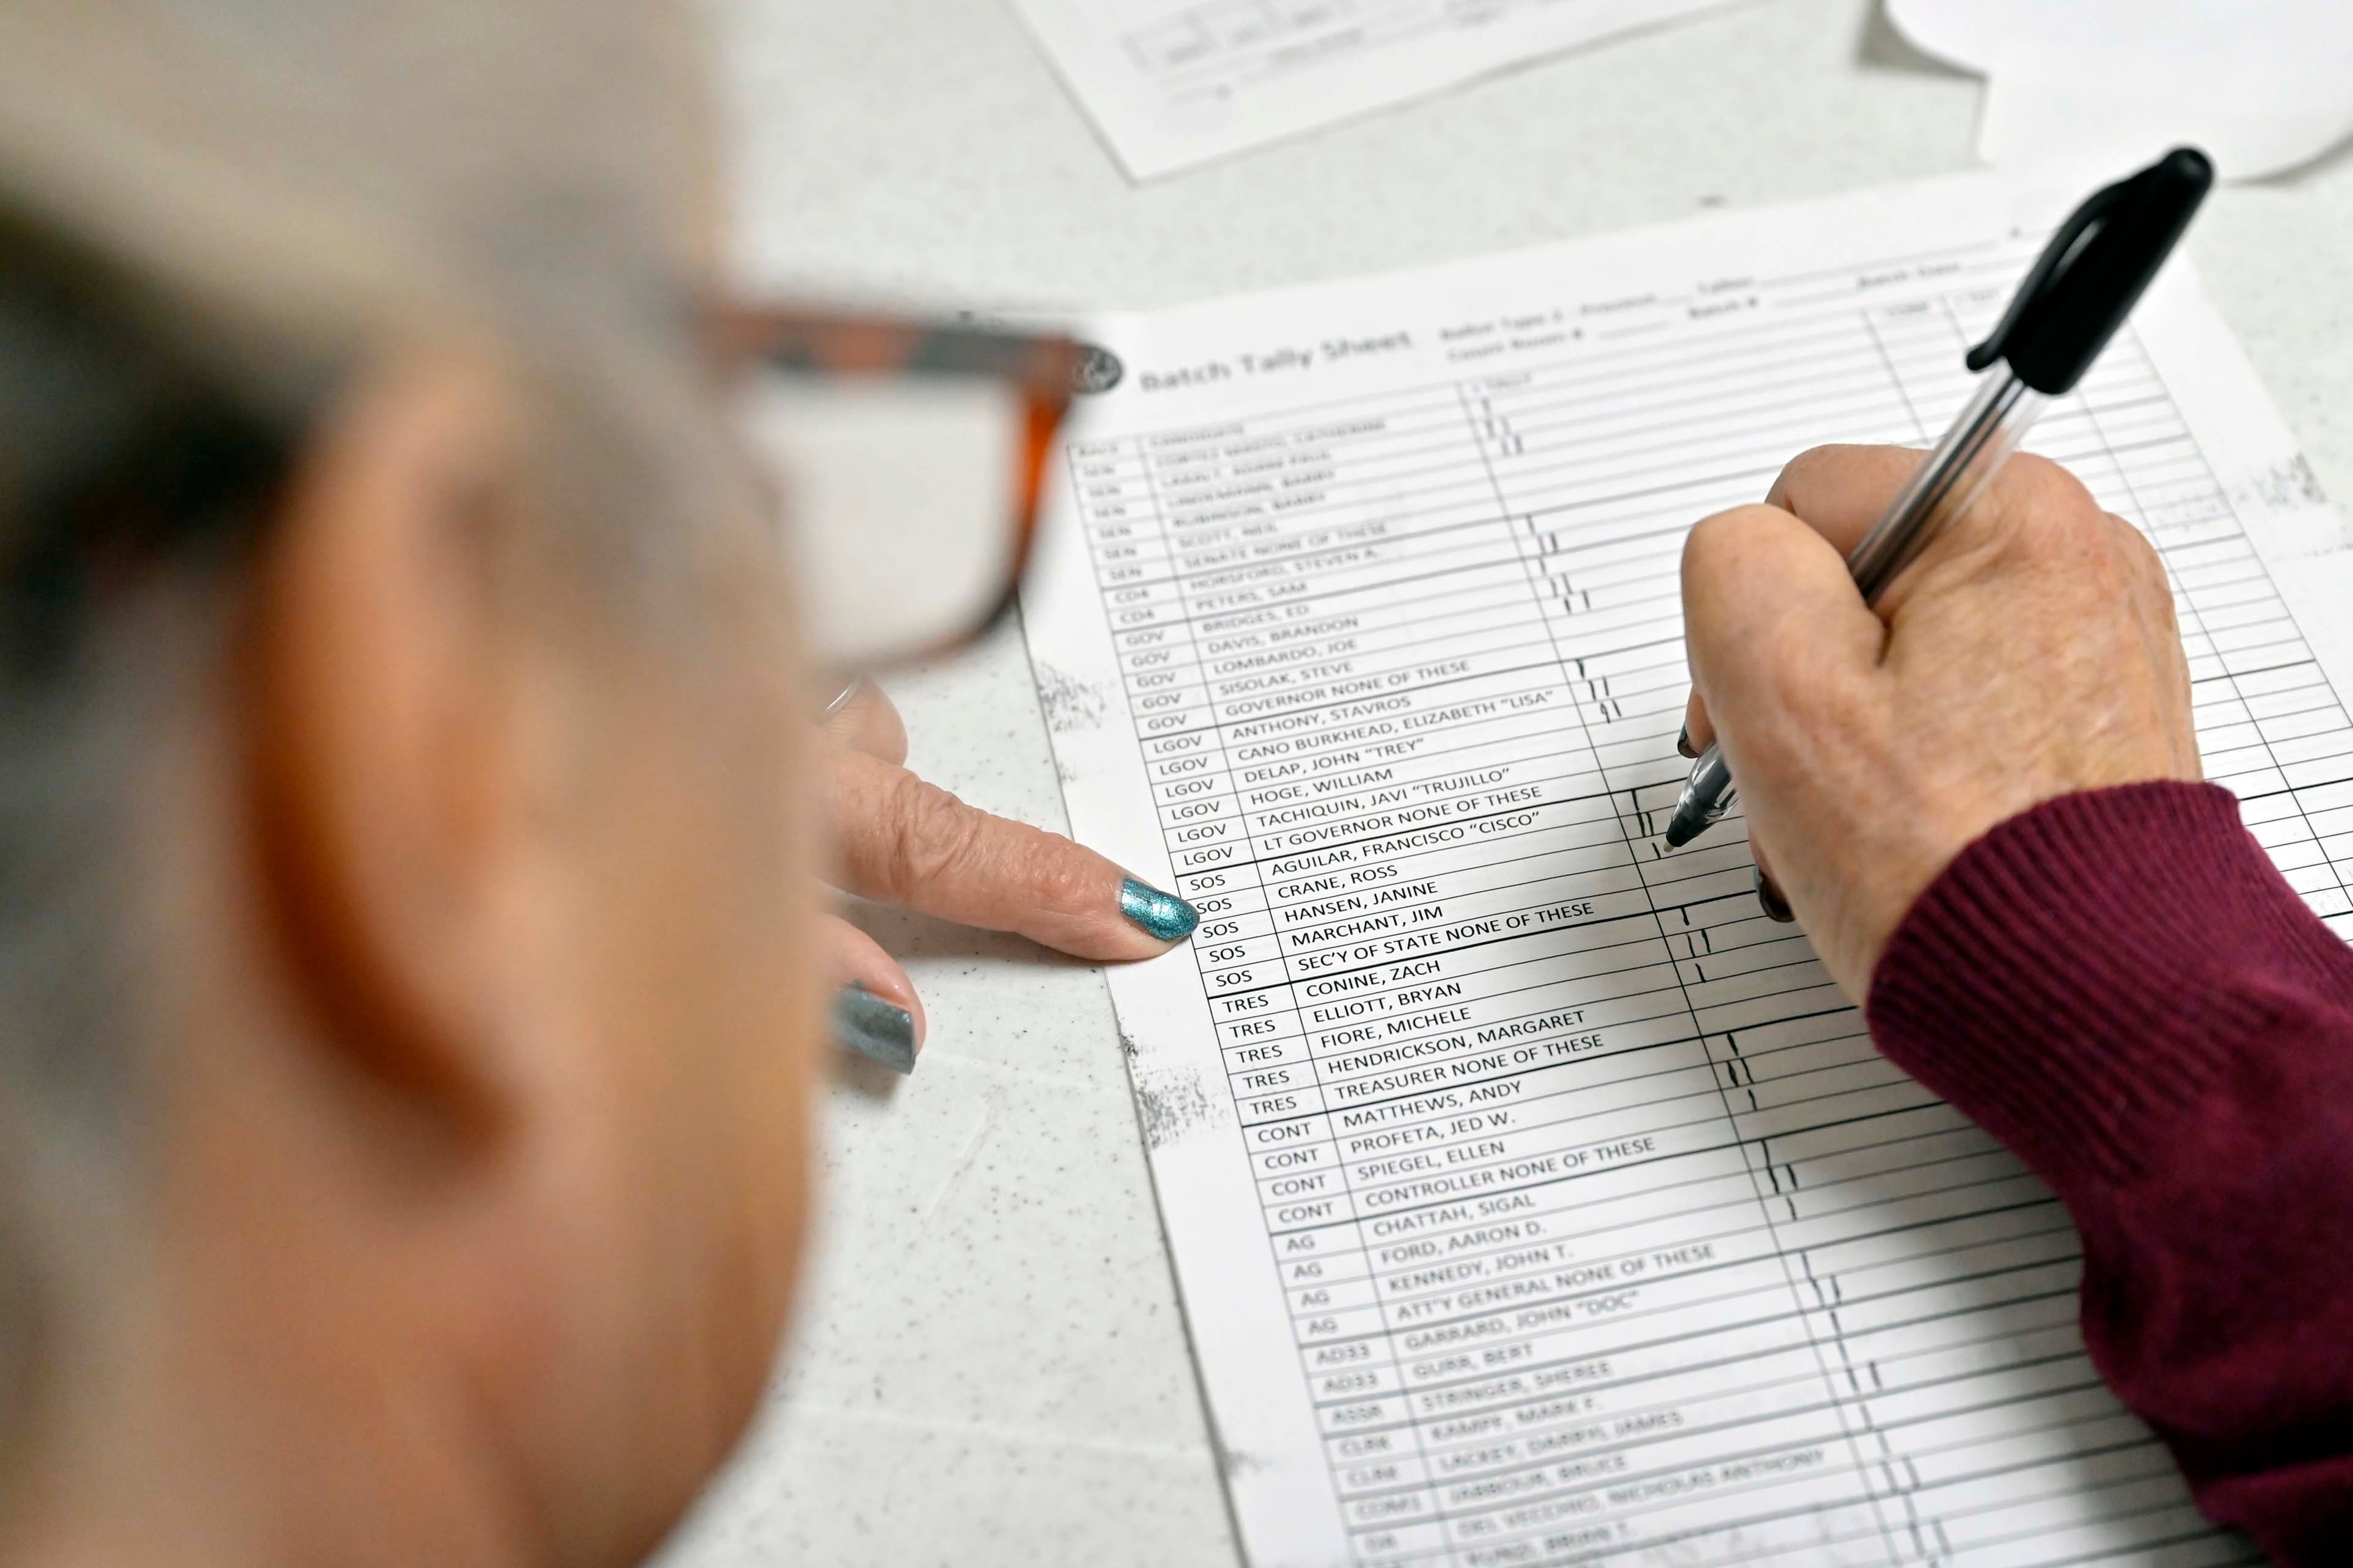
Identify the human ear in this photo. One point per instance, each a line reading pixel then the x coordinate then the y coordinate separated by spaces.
pixel 377 683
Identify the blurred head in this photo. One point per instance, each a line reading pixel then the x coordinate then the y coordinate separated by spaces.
pixel 404 1030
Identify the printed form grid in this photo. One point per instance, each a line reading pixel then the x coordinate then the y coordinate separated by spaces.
pixel 1406 671
pixel 1213 50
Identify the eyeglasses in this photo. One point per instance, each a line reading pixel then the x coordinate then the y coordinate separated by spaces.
pixel 910 458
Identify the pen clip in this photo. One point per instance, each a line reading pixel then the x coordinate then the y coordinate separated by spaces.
pixel 2087 279
pixel 2032 288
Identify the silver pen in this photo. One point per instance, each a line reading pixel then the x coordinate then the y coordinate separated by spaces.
pixel 2078 292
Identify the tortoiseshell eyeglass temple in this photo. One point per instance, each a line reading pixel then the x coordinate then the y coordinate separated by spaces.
pixel 911 459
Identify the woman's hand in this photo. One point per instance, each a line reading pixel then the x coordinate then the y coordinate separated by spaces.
pixel 898 840
pixel 2030 652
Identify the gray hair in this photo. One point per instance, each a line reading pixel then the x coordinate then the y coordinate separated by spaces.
pixel 210 211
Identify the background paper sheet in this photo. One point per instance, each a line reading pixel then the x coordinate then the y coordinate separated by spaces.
pixel 2261 85
pixel 1172 83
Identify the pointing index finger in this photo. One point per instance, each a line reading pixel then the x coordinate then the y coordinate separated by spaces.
pixel 903 841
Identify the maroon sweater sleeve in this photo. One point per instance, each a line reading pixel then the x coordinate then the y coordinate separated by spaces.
pixel 2120 987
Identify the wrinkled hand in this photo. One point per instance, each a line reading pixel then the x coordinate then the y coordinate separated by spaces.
pixel 899 840
pixel 2030 652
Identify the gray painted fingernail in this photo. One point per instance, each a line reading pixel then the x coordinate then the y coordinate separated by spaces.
pixel 1768 897
pixel 1163 915
pixel 874 1027
pixel 1682 744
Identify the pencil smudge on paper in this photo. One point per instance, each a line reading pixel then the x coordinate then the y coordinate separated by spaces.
pixel 1070 704
pixel 1173 1103
pixel 1233 1462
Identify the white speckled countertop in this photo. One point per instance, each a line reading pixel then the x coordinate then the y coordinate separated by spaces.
pixel 988 1364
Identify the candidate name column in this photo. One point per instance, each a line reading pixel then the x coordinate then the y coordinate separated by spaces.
pixel 1317 1248
pixel 1357 612
pixel 1191 782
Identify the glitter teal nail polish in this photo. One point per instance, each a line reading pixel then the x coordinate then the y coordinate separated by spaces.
pixel 875 1029
pixel 1164 915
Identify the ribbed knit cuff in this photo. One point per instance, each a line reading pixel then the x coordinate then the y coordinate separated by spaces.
pixel 2089 968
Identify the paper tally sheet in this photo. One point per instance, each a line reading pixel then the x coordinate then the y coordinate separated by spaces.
pixel 1535 1200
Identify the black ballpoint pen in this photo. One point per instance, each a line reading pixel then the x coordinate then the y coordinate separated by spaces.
pixel 2073 300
